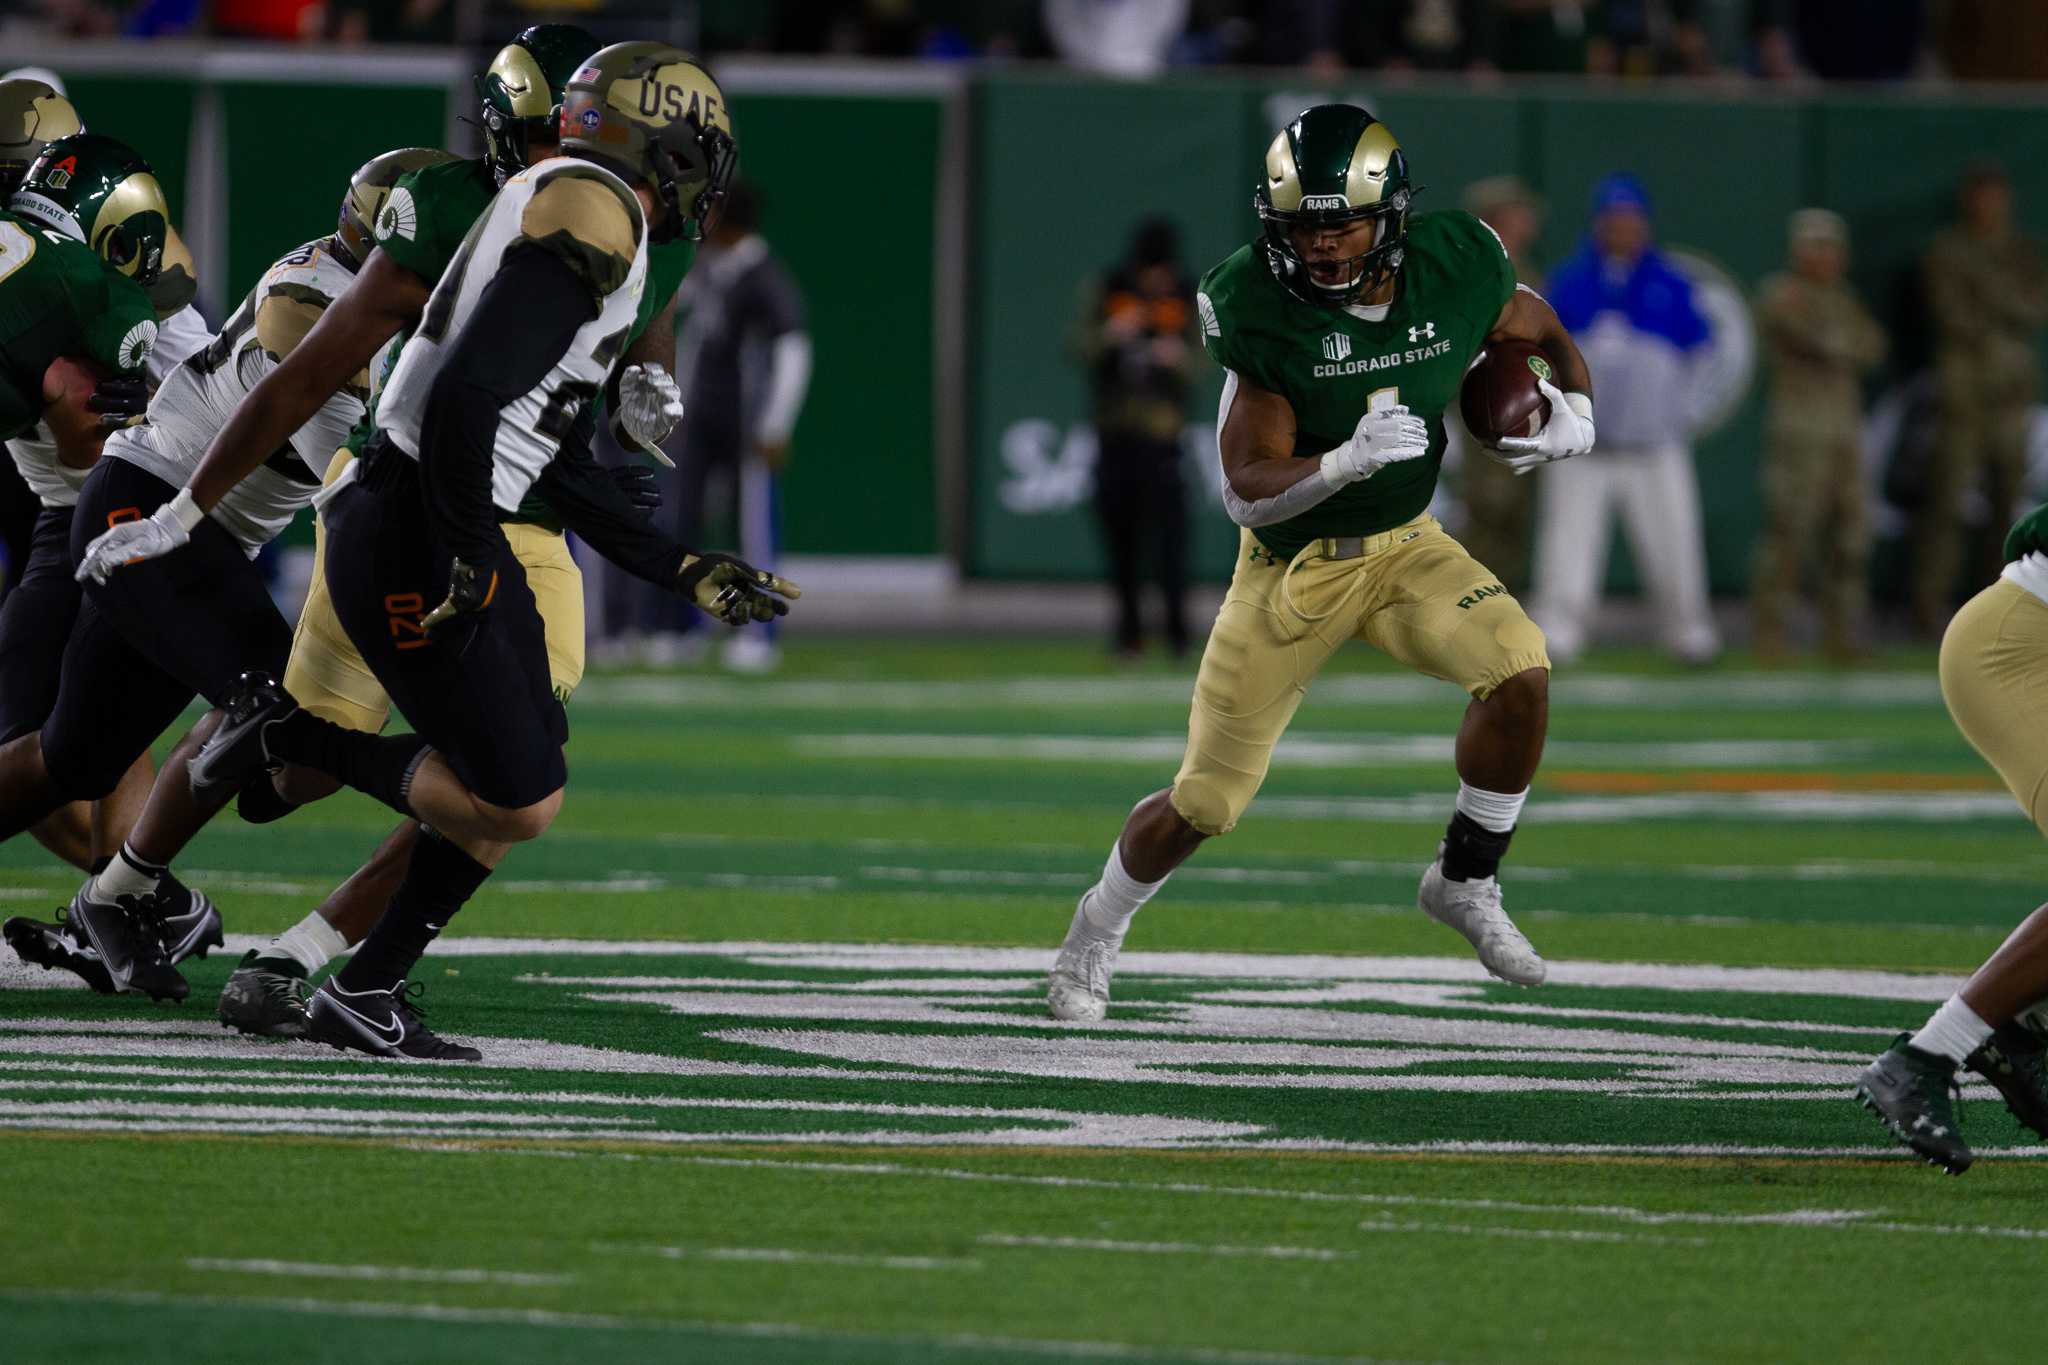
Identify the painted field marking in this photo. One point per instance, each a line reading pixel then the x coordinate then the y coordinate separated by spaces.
pixel 1528 1234
pixel 791 1256
pixel 408 1274
pixel 1268 1253
pixel 539 1317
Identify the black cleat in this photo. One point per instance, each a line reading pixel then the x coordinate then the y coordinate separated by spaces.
pixel 265 996
pixel 191 924
pixel 129 936
pixel 1909 1092
pixel 236 750
pixel 381 1023
pixel 58 946
pixel 2016 1061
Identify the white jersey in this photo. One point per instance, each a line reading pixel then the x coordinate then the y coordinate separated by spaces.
pixel 588 217
pixel 196 400
pixel 35 450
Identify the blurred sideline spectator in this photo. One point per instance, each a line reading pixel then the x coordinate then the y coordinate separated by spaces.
pixel 1115 37
pixel 1633 315
pixel 1984 40
pixel 1821 341
pixel 1988 295
pixel 744 362
pixel 1135 334
pixel 1498 505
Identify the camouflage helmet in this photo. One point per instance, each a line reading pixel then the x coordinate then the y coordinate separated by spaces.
pixel 521 91
pixel 653 114
pixel 1334 165
pixel 32 112
pixel 101 192
pixel 369 189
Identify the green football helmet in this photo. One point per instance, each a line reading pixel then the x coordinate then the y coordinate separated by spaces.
pixel 1334 165
pixel 31 114
pixel 101 192
pixel 369 189
pixel 654 115
pixel 521 91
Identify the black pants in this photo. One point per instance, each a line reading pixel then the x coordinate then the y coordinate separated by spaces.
pixel 478 690
pixel 35 621
pixel 1143 506
pixel 152 637
pixel 20 509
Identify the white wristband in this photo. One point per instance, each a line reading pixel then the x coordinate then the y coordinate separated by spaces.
pixel 1334 474
pixel 184 511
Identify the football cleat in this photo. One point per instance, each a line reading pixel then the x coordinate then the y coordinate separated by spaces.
pixel 381 1023
pixel 191 923
pixel 1474 909
pixel 1079 988
pixel 59 946
pixel 1909 1091
pixel 235 751
pixel 130 937
pixel 265 996
pixel 2015 1060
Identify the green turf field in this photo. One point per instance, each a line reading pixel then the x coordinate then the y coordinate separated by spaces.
pixel 768 1076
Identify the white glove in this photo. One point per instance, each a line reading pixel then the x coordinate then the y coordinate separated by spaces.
pixel 650 404
pixel 1384 436
pixel 150 538
pixel 1569 432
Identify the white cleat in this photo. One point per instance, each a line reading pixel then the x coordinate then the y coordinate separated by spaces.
pixel 1474 910
pixel 1079 989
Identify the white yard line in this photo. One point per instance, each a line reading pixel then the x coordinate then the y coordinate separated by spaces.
pixel 408 1274
pixel 1529 1234
pixel 1267 1253
pixel 791 1256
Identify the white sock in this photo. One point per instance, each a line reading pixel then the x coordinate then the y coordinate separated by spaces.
pixel 1496 811
pixel 126 875
pixel 312 943
pixel 1112 902
pixel 1954 1031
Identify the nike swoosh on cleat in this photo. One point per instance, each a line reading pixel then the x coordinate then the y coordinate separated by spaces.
pixel 370 1026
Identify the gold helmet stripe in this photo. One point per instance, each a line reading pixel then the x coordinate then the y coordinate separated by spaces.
pixel 524 81
pixel 1283 176
pixel 1366 180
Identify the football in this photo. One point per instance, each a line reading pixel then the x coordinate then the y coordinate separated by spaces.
pixel 1500 397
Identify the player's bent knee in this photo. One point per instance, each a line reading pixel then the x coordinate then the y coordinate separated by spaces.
pixel 518 824
pixel 1208 806
pixel 80 771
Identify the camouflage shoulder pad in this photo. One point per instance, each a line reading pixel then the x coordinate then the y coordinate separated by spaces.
pixel 589 223
pixel 284 315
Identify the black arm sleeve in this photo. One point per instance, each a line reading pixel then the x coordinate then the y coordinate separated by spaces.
pixel 524 322
pixel 587 499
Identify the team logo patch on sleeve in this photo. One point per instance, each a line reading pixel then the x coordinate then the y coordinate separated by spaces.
pixel 400 218
pixel 1208 311
pixel 135 345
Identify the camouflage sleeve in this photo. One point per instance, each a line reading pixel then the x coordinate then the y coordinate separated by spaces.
pixel 584 223
pixel 120 324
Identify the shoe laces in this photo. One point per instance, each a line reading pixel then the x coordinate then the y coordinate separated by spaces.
pixel 1095 958
pixel 410 997
pixel 150 926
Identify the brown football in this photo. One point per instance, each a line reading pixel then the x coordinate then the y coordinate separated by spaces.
pixel 1500 397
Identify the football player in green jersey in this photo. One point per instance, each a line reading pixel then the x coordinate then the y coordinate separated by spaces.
pixel 1994 657
pixel 1345 330
pixel 79 248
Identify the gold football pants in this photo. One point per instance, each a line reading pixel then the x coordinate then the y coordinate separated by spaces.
pixel 328 677
pixel 1412 592
pixel 1994 677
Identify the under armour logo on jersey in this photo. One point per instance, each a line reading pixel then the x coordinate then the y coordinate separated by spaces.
pixel 1427 331
pixel 1336 346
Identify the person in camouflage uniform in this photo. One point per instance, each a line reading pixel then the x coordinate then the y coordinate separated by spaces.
pixel 1988 293
pixel 1821 342
pixel 1346 330
pixel 1500 508
pixel 1994 658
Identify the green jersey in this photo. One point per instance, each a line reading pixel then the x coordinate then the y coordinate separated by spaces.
pixel 1333 365
pixel 57 298
pixel 422 226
